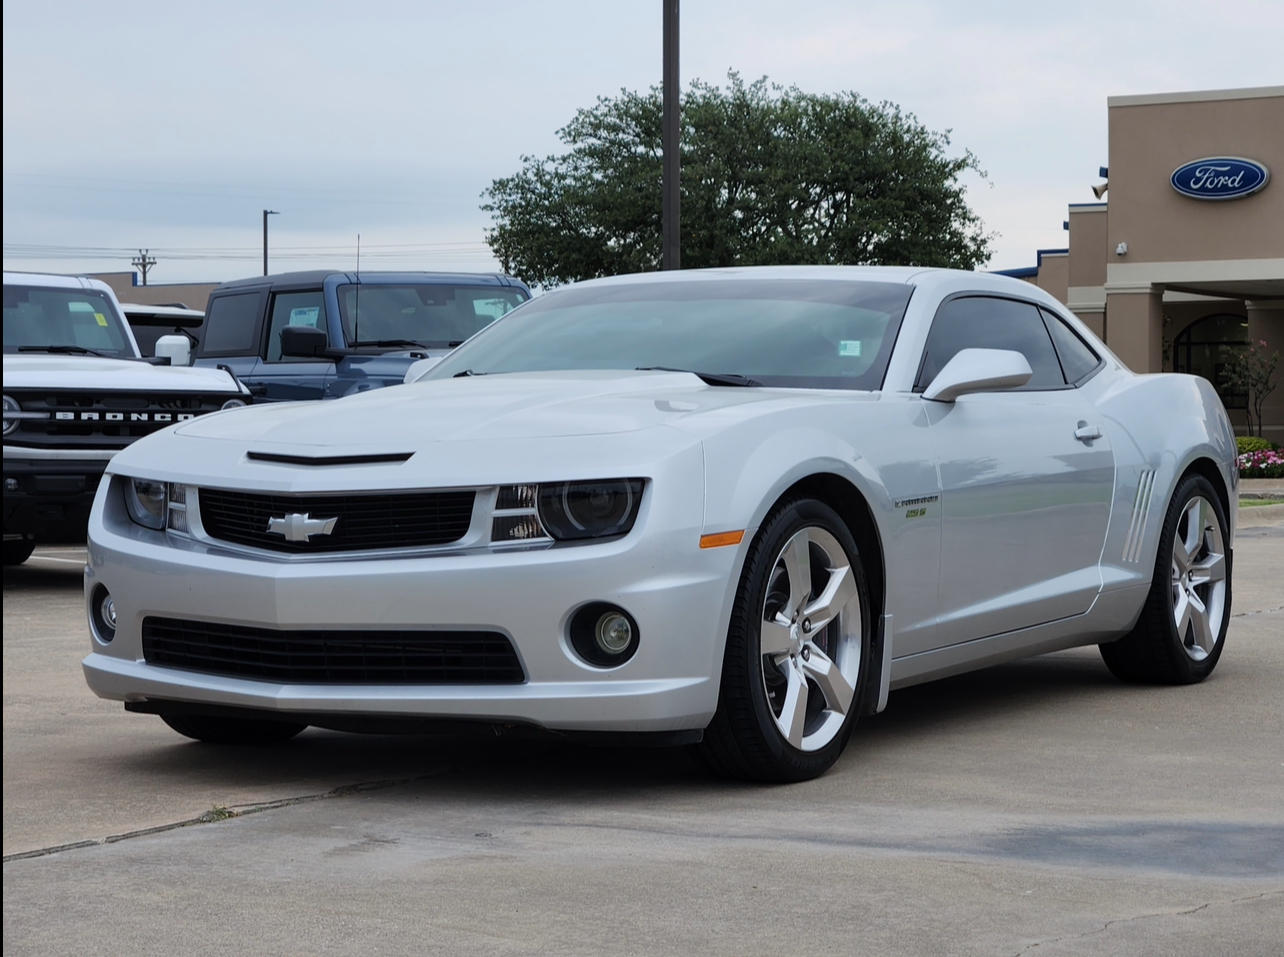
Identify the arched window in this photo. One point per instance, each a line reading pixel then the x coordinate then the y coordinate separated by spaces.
pixel 1207 346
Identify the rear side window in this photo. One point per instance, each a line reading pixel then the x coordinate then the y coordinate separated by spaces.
pixel 232 325
pixel 294 309
pixel 1077 359
pixel 983 322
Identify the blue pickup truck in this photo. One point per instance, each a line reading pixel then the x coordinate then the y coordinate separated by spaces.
pixel 327 334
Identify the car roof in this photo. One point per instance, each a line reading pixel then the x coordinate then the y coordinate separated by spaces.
pixel 132 309
pixel 53 281
pixel 373 277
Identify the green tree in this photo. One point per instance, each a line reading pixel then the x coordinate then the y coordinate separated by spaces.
pixel 770 175
pixel 1252 372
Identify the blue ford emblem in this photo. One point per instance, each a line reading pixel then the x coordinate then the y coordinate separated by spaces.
pixel 1220 177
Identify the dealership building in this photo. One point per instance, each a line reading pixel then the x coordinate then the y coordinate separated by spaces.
pixel 1182 265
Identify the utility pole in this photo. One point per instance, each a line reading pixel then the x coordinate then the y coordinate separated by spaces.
pixel 671 211
pixel 144 262
pixel 266 214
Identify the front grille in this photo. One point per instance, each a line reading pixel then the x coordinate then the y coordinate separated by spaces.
pixel 363 521
pixel 333 657
pixel 104 420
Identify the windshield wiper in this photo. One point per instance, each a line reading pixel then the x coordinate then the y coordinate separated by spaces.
pixel 388 342
pixel 67 350
pixel 709 378
pixel 466 373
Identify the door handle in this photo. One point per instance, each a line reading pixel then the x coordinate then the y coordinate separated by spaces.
pixel 1086 432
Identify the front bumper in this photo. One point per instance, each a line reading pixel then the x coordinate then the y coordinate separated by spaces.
pixel 679 594
pixel 53 496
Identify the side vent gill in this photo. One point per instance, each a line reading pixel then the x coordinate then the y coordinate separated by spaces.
pixel 1140 511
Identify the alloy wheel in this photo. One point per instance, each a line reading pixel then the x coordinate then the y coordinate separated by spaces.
pixel 1198 578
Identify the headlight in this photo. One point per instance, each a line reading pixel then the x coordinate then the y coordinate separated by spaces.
pixel 233 404
pixel 146 501
pixel 577 510
pixel 11 406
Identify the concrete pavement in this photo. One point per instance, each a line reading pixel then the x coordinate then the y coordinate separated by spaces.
pixel 1038 808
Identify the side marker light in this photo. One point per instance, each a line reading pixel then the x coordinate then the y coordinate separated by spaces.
pixel 719 539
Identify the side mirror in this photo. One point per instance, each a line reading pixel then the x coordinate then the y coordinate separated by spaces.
pixel 979 370
pixel 177 348
pixel 304 342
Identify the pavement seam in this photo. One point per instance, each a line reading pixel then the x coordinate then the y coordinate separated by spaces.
pixel 1029 948
pixel 224 813
pixel 1259 611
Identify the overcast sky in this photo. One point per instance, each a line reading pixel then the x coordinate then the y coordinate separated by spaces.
pixel 172 125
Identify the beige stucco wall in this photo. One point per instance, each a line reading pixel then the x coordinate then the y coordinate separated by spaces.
pixel 1087 245
pixel 192 295
pixel 1054 273
pixel 1150 138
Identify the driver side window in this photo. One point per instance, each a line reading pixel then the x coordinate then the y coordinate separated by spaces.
pixel 985 322
pixel 294 309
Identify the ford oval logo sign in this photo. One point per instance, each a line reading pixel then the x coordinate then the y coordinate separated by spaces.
pixel 1220 177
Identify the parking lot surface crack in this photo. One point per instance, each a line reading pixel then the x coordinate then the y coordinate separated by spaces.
pixel 1032 948
pixel 222 812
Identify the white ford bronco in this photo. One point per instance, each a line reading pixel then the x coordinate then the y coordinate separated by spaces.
pixel 76 391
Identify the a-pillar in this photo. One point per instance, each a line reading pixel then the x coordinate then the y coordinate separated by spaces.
pixel 1135 327
pixel 1266 324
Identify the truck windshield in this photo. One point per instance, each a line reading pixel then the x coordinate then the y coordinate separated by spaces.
pixel 431 314
pixel 62 320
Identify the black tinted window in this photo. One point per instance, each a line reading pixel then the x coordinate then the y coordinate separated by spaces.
pixel 1077 360
pixel 231 325
pixel 979 322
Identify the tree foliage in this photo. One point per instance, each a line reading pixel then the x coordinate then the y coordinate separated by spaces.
pixel 770 175
pixel 1252 372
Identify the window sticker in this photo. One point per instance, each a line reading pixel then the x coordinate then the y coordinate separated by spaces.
pixel 102 320
pixel 305 316
pixel 849 347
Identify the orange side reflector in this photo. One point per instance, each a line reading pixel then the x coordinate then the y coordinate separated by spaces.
pixel 721 538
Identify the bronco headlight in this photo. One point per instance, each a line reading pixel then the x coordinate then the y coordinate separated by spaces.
pixel 146 501
pixel 578 510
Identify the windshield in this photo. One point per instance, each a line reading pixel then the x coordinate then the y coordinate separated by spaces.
pixel 64 320
pixel 827 334
pixel 430 314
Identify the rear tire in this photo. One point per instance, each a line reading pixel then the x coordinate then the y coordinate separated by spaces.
pixel 793 673
pixel 243 731
pixel 1182 629
pixel 17 551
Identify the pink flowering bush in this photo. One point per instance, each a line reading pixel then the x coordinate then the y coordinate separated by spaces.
pixel 1268 463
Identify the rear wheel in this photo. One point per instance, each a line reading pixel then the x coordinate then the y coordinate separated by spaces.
pixel 232 730
pixel 794 667
pixel 1182 628
pixel 18 550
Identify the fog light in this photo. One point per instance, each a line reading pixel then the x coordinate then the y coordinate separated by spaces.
pixel 11 485
pixel 233 404
pixel 603 634
pixel 614 634
pixel 102 612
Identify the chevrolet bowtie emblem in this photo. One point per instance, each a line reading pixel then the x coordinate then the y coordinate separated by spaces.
pixel 300 528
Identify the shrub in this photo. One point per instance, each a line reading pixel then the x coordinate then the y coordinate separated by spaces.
pixel 1267 463
pixel 1253 443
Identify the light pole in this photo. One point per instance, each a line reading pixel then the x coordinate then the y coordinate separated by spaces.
pixel 671 212
pixel 266 214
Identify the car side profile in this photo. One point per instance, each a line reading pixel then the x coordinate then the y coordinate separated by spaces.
pixel 731 508
pixel 324 334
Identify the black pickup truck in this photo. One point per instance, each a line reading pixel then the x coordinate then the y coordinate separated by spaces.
pixel 326 334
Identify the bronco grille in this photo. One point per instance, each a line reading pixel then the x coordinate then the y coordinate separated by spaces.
pixel 104 420
pixel 333 657
pixel 363 521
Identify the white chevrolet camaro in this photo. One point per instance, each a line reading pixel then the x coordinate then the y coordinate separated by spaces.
pixel 729 507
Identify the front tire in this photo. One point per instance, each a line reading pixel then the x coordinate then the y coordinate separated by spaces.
pixel 17 551
pixel 793 674
pixel 242 731
pixel 1182 630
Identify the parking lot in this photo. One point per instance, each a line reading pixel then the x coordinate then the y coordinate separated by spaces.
pixel 1035 808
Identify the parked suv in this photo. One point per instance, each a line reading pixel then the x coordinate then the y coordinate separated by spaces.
pixel 326 334
pixel 150 323
pixel 77 391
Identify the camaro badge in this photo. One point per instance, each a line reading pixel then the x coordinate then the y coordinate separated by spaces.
pixel 300 528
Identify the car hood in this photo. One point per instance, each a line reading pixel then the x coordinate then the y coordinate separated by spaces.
pixel 100 374
pixel 527 427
